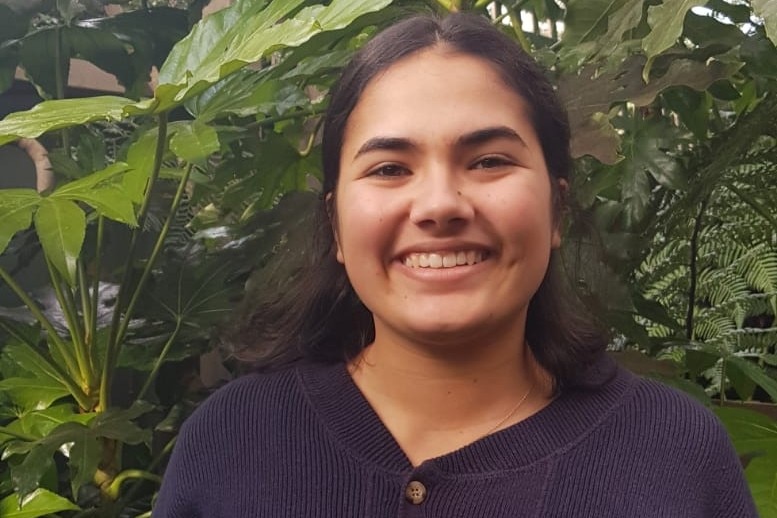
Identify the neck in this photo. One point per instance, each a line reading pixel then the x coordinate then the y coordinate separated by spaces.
pixel 435 402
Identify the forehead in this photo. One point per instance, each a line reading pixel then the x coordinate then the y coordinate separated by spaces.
pixel 436 94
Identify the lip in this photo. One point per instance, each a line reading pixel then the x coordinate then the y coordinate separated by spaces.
pixel 447 277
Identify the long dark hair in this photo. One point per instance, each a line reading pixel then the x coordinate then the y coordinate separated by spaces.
pixel 319 317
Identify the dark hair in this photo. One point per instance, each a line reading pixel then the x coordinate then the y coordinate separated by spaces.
pixel 319 316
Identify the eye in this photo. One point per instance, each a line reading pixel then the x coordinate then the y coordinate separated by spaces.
pixel 389 171
pixel 491 162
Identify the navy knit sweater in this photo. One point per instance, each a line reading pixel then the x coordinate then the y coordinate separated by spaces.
pixel 305 443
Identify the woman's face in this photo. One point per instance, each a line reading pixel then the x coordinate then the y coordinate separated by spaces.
pixel 443 206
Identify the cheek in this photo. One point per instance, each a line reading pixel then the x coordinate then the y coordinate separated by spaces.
pixel 363 227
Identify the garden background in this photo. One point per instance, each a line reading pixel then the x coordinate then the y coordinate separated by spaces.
pixel 156 212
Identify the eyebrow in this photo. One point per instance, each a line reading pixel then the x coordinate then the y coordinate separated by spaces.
pixel 471 139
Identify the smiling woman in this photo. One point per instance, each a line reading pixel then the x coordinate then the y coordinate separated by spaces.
pixel 427 363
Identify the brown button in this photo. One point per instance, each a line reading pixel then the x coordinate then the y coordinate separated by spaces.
pixel 415 492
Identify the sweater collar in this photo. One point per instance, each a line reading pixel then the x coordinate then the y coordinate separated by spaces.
pixel 348 416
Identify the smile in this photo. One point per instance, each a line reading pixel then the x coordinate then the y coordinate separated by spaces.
pixel 444 259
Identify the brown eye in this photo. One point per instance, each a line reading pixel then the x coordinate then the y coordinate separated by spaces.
pixel 491 162
pixel 389 171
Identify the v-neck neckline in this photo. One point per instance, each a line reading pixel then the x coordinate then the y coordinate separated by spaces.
pixel 355 425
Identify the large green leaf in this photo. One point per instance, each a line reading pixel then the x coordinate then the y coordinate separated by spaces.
pixel 119 424
pixel 140 157
pixel 193 141
pixel 39 503
pixel 33 393
pixel 756 374
pixel 28 360
pixel 63 113
pixel 40 423
pixel 149 32
pixel 202 41
pixel 666 23
pixel 218 46
pixel 591 91
pixel 39 53
pixel 38 455
pixel 107 51
pixel 16 209
pixel 754 434
pixel 767 11
pixel 105 191
pixel 61 227
pixel 587 19
pixel 84 459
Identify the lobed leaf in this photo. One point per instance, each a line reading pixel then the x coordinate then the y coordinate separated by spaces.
pixel 755 435
pixel 756 374
pixel 105 191
pixel 767 11
pixel 16 209
pixel 84 459
pixel 217 46
pixel 40 423
pixel 63 113
pixel 193 141
pixel 61 227
pixel 666 22
pixel 33 393
pixel 41 502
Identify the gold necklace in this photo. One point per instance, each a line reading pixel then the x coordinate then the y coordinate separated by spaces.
pixel 512 412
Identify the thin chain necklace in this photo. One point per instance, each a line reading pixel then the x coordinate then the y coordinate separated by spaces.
pixel 511 413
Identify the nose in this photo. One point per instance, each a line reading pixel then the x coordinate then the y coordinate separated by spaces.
pixel 439 203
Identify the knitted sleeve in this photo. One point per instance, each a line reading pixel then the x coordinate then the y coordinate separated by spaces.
pixel 182 483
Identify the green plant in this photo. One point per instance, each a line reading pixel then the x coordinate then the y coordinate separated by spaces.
pixel 671 104
pixel 60 388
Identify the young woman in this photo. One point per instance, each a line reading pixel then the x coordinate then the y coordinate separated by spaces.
pixel 427 364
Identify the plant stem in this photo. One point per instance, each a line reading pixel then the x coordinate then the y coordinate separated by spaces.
pixel 60 81
pixel 127 474
pixel 158 363
pixel 71 318
pixel 129 495
pixel 112 351
pixel 86 304
pixel 45 322
pixel 312 139
pixel 96 291
pixel 517 24
pixel 693 267
pixel 160 241
pixel 58 373
pixel 269 121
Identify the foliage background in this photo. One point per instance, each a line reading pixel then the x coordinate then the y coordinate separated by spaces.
pixel 170 205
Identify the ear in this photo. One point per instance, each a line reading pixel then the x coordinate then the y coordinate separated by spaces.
pixel 329 200
pixel 562 187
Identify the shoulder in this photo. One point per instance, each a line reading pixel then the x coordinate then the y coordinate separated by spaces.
pixel 662 408
pixel 653 413
pixel 243 402
pixel 676 434
pixel 222 439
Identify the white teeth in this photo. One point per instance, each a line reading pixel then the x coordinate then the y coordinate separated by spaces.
pixel 448 260
pixel 444 259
